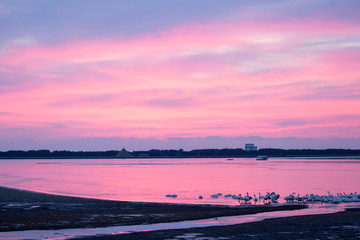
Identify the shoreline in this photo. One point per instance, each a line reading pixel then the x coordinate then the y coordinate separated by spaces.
pixel 26 210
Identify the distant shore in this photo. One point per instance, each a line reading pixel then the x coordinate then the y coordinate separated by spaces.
pixel 197 153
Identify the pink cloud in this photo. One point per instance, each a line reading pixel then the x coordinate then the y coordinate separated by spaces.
pixel 225 79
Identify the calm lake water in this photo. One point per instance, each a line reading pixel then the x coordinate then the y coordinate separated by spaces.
pixel 151 179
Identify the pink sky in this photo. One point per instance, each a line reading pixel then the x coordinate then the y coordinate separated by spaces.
pixel 225 76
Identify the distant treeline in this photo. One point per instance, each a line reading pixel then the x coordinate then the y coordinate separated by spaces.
pixel 239 152
pixel 155 153
pixel 56 154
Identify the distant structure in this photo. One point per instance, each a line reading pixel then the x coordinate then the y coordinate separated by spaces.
pixel 250 147
pixel 123 154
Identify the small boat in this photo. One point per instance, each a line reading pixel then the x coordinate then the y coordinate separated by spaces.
pixel 262 157
pixel 230 159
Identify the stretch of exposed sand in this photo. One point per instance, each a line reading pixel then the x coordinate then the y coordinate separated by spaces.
pixel 25 210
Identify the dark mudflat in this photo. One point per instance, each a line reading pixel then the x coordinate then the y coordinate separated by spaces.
pixel 342 225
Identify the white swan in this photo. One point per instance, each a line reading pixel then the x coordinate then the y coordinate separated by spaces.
pixel 299 199
pixel 261 197
pixel 330 195
pixel 255 199
pixel 267 197
pixel 216 195
pixel 241 198
pixel 274 197
pixel 290 198
pixel 171 195
pixel 246 198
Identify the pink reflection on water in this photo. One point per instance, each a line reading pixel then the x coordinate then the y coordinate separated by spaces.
pixel 151 179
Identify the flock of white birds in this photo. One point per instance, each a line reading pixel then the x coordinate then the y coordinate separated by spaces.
pixel 338 198
pixel 293 197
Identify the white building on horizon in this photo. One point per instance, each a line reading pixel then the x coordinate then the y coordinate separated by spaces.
pixel 250 147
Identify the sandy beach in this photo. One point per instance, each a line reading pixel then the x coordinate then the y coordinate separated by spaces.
pixel 25 210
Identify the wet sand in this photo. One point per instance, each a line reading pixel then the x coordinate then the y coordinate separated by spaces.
pixel 24 210
pixel 342 225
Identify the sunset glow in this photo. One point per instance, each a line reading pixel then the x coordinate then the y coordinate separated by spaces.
pixel 281 70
